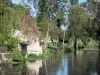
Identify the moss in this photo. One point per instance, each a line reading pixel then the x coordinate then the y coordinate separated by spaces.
pixel 33 57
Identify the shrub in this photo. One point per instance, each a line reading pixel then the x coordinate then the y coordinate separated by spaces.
pixel 47 53
pixel 32 57
pixel 16 55
pixel 12 43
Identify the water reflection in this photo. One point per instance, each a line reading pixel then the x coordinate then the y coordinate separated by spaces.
pixel 70 64
pixel 64 69
pixel 33 68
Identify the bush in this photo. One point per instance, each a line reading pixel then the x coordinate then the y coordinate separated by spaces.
pixel 16 55
pixel 12 43
pixel 32 57
pixel 60 49
pixel 47 53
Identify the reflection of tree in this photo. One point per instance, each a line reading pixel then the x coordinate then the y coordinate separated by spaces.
pixel 9 69
pixel 46 67
pixel 24 70
pixel 5 69
pixel 92 59
pixel 52 65
pixel 17 69
pixel 98 64
pixel 82 64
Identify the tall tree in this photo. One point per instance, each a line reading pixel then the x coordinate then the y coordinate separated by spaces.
pixel 94 10
pixel 8 23
pixel 79 22
pixel 49 12
pixel 8 19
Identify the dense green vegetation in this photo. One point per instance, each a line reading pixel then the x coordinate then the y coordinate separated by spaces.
pixel 82 22
pixel 10 20
pixel 94 10
pixel 79 23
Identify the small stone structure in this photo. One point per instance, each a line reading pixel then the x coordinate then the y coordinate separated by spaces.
pixel 34 48
pixel 31 46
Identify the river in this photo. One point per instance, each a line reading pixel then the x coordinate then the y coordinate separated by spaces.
pixel 69 64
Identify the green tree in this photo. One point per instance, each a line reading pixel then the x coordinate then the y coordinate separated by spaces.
pixel 10 20
pixel 51 13
pixel 94 11
pixel 79 22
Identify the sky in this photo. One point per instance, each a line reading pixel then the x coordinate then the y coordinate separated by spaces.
pixel 32 10
pixel 19 1
pixel 16 1
pixel 82 1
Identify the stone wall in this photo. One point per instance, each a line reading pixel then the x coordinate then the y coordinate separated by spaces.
pixel 32 47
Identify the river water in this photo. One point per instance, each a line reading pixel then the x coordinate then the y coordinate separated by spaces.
pixel 69 64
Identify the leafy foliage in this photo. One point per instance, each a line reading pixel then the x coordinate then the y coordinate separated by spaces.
pixel 49 11
pixel 94 9
pixel 79 22
pixel 16 55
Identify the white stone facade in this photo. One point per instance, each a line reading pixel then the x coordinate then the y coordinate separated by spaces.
pixel 33 47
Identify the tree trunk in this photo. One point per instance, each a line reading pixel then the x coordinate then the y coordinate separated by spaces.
pixel 51 37
pixel 75 45
pixel 47 37
pixel 64 41
pixel 99 46
pixel 47 34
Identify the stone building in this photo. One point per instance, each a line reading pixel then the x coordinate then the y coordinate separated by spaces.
pixel 29 45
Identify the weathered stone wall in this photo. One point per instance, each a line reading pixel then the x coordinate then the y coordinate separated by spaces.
pixel 32 47
pixel 3 48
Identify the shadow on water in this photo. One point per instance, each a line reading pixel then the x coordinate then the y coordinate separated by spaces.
pixel 98 64
pixel 69 64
